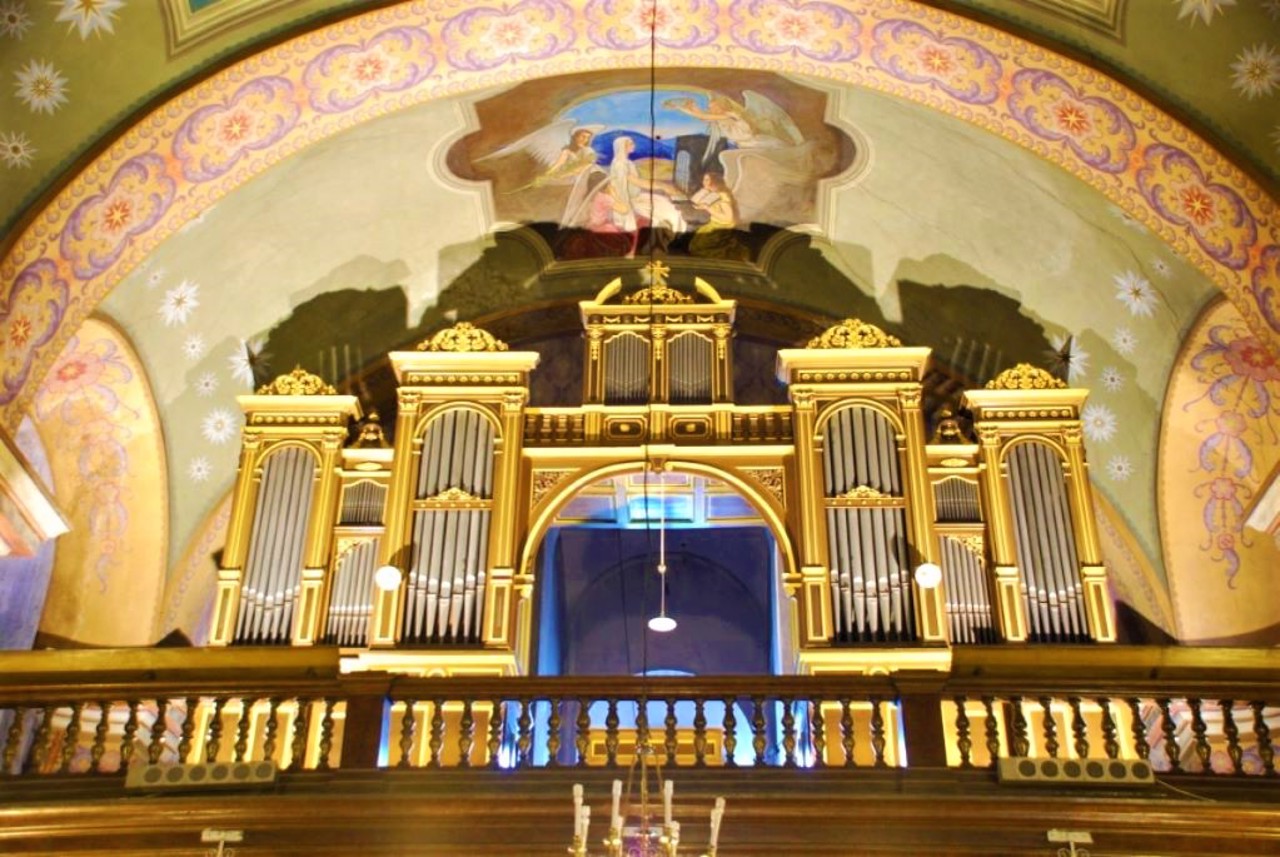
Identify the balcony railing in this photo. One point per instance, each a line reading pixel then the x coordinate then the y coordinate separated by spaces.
pixel 1211 713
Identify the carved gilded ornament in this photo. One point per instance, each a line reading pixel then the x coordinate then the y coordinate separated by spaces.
pixel 854 333
pixel 545 480
pixel 299 382
pixel 453 495
pixel 863 492
pixel 974 544
pixel 770 478
pixel 1024 376
pixel 463 336
pixel 662 294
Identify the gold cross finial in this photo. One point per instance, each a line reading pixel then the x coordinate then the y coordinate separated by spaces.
pixel 657 273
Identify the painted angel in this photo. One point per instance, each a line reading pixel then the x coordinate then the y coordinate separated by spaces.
pixel 560 162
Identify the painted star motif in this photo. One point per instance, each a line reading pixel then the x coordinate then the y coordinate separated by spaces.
pixel 88 16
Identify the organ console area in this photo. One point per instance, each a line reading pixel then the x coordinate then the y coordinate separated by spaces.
pixel 893 545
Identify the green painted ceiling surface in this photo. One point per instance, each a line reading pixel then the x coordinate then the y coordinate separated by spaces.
pixel 115 66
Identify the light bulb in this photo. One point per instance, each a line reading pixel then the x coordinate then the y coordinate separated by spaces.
pixel 928 575
pixel 662 624
pixel 387 578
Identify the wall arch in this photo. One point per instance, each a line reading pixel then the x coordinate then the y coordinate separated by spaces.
pixel 183 157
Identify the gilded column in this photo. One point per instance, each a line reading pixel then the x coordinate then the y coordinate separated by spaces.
pixel 319 545
pixel 1011 614
pixel 1099 609
pixel 226 605
pixel 385 630
pixel 508 499
pixel 930 602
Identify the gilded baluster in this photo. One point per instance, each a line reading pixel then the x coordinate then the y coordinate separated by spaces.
pixel 611 734
pixel 407 723
pixel 992 729
pixel 1263 732
pixel 1171 749
pixel 1201 742
pixel 214 742
pixel 819 735
pixel 1078 729
pixel 1050 727
pixel 642 726
pixel 789 733
pixel 1109 731
pixel 496 724
pixel 298 747
pixel 100 738
pixel 730 733
pixel 242 730
pixel 758 743
pixel 188 730
pixel 878 742
pixel 1021 741
pixel 669 733
pixel 846 732
pixel 272 727
pixel 582 732
pixel 963 742
pixel 699 734
pixel 71 738
pixel 1139 728
pixel 156 746
pixel 326 735
pixel 40 749
pixel 553 732
pixel 128 737
pixel 12 740
pixel 436 743
pixel 1232 731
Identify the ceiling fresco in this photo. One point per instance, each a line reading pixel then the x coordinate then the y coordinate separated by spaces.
pixel 340 195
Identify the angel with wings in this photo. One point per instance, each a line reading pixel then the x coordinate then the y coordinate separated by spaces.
pixel 560 162
pixel 766 161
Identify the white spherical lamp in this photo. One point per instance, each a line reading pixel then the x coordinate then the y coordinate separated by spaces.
pixel 387 578
pixel 928 575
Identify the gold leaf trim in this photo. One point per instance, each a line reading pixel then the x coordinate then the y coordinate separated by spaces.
pixel 462 337
pixel 454 495
pixel 299 382
pixel 854 333
pixel 1024 376
pixel 863 492
pixel 658 295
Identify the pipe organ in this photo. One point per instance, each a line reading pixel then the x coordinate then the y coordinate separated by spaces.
pixel 857 498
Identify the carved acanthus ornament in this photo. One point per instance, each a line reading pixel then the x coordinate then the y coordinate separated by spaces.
pixel 863 492
pixel 662 294
pixel 463 336
pixel 770 478
pixel 1024 376
pixel 545 480
pixel 299 382
pixel 854 333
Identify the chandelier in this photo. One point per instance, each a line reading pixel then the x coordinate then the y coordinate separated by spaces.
pixel 634 831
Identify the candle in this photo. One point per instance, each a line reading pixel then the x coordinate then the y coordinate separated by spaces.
pixel 617 803
pixel 577 810
pixel 668 788
pixel 716 815
pixel 586 822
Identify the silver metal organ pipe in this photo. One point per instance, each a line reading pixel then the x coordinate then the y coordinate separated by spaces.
pixel 1042 482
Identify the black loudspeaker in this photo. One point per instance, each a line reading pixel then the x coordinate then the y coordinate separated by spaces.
pixel 1076 772
pixel 211 775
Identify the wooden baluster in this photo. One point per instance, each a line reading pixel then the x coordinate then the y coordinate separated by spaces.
pixel 1263 732
pixel 242 729
pixel 642 726
pixel 730 733
pixel 326 735
pixel 669 733
pixel 1199 730
pixel 1229 728
pixel 71 738
pixel 298 747
pixel 213 740
pixel 1078 729
pixel 12 740
pixel 128 737
pixel 408 721
pixel 611 734
pixel 963 742
pixel 156 745
pixel 1171 749
pixel 497 722
pixel 699 734
pixel 1109 731
pixel 878 742
pixel 582 736
pixel 466 734
pixel 819 728
pixel 1021 741
pixel 436 743
pixel 188 730
pixel 1139 728
pixel 846 731
pixel 100 738
pixel 273 726
pixel 1050 727
pixel 758 742
pixel 553 732
pixel 40 749
pixel 992 729
pixel 788 733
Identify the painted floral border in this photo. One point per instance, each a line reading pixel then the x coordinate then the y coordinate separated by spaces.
pixel 230 128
